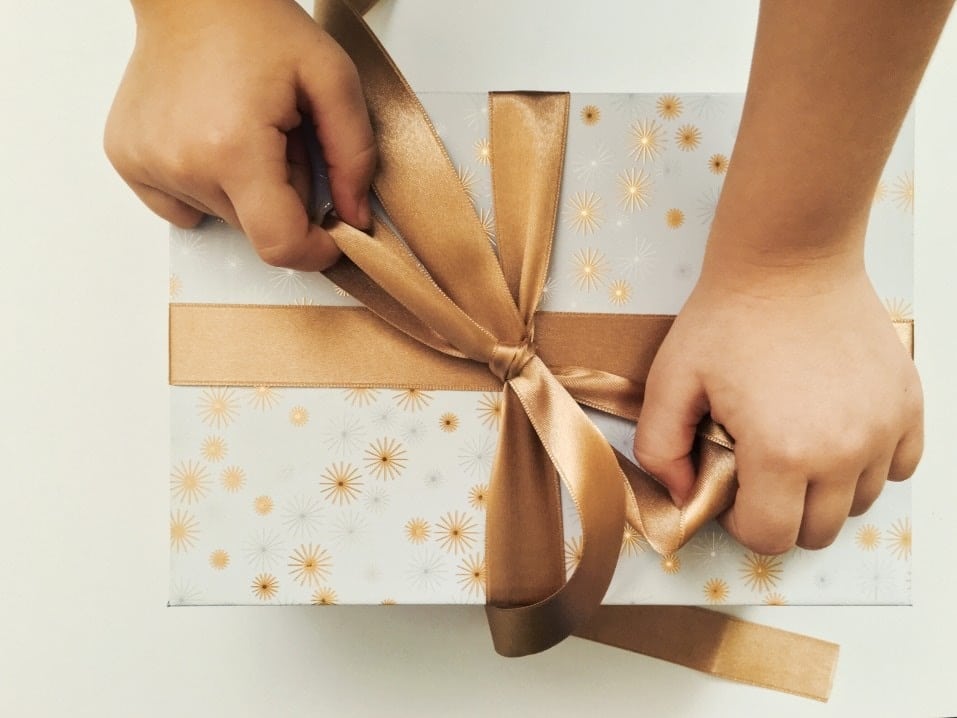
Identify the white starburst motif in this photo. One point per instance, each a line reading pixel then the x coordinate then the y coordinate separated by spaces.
pixel 433 479
pixel 548 291
pixel 302 516
pixel 476 456
pixel 186 243
pixel 372 573
pixel 348 529
pixel 376 499
pixel 384 417
pixel 708 547
pixel 264 550
pixel 476 117
pixel 427 570
pixel 184 593
pixel 414 431
pixel 638 263
pixel 876 577
pixel 668 169
pixel 588 165
pixel 633 104
pixel 343 436
pixel 822 581
pixel 707 205
pixel 233 262
pixel 707 106
pixel 288 281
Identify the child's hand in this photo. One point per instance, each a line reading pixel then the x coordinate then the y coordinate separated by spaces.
pixel 813 383
pixel 206 118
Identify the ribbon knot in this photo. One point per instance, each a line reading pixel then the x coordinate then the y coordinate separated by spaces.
pixel 508 360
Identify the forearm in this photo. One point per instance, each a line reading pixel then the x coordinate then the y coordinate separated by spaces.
pixel 831 82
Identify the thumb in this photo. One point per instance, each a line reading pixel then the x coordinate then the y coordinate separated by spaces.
pixel 673 406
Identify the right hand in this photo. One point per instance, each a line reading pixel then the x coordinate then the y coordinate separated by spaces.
pixel 207 120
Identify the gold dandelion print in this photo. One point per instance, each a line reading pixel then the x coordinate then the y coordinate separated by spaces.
pixel 219 559
pixel 903 192
pixel 298 416
pixel 183 531
pixel 718 164
pixel 688 137
pixel 761 573
pixel 309 564
pixel 263 397
pixel 263 505
pixel 488 224
pixel 880 193
pixel 590 115
pixel 574 548
pixel 635 186
pixel 468 179
pixel 899 310
pixel 385 458
pixel 775 599
pixel 483 151
pixel 455 532
pixel 472 574
pixel 867 537
pixel 341 483
pixel 361 395
pixel 213 448
pixel 217 407
pixel 900 538
pixel 233 479
pixel 674 218
pixel 175 286
pixel 646 140
pixel 590 266
pixel 413 399
pixel 478 496
pixel 671 563
pixel 619 292
pixel 448 422
pixel 265 586
pixel 188 482
pixel 417 530
pixel 632 542
pixel 324 596
pixel 669 107
pixel 716 590
pixel 584 212
pixel 387 602
pixel 490 409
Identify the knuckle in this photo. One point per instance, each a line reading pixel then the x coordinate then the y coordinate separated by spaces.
pixel 816 542
pixel 768 544
pixel 280 255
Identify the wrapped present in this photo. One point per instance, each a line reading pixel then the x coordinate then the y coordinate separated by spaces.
pixel 447 415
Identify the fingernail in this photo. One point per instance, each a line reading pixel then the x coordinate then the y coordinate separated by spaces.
pixel 678 499
pixel 365 213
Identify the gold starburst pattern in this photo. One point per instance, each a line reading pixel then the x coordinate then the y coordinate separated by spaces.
pixel 670 563
pixel 309 564
pixel 263 505
pixel 688 137
pixel 903 192
pixel 361 395
pixel 490 409
pixel 265 586
pixel 632 542
pixel 341 483
pixel 718 164
pixel 646 140
pixel 448 422
pixel 417 530
pixel 867 537
pixel 233 479
pixel 387 602
pixel 483 151
pixel 674 218
pixel 263 397
pixel 472 574
pixel 183 531
pixel 175 286
pixel 590 267
pixel 619 292
pixel 324 596
pixel 761 573
pixel 478 496
pixel 900 538
pixel 488 223
pixel 584 212
pixel 775 599
pixel 899 310
pixel 217 407
pixel 219 559
pixel 590 114
pixel 716 590
pixel 574 548
pixel 456 532
pixel 669 107
pixel 298 416
pixel 213 448
pixel 468 179
pixel 413 399
pixel 189 482
pixel 635 186
pixel 880 192
pixel 385 458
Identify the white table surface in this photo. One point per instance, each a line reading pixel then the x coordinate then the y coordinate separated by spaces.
pixel 83 416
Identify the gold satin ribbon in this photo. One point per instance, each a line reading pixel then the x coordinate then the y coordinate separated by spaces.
pixel 450 305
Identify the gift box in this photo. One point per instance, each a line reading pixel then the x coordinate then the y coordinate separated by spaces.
pixel 317 459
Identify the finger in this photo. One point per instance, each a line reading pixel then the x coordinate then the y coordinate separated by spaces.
pixel 300 169
pixel 169 208
pixel 334 97
pixel 826 508
pixel 908 453
pixel 869 487
pixel 673 406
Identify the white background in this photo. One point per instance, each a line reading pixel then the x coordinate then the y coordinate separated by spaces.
pixel 83 406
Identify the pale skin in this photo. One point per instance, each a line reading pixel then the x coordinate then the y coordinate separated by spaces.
pixel 783 339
